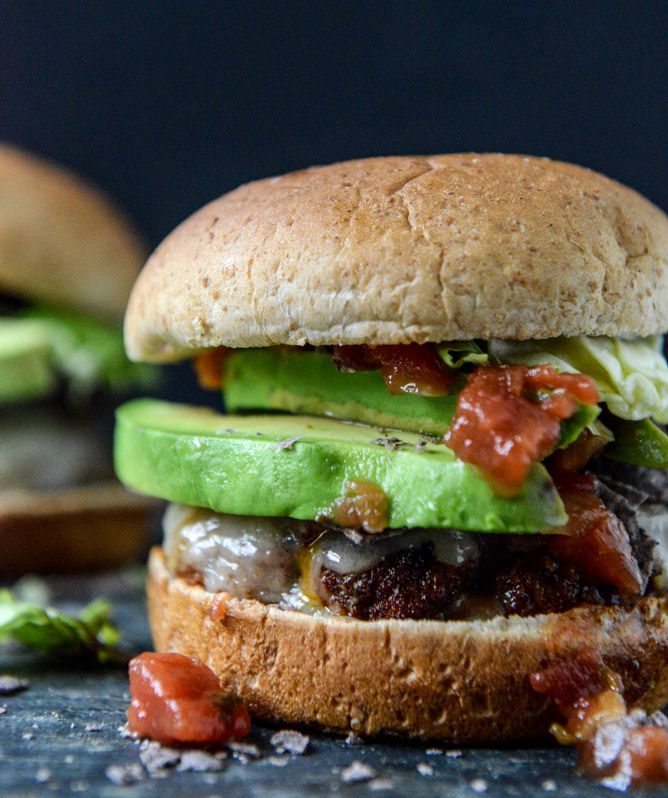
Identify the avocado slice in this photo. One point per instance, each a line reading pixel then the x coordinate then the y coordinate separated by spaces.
pixel 640 443
pixel 25 369
pixel 297 466
pixel 308 382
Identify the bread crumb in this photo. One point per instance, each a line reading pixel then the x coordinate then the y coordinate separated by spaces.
pixel 43 775
pixel 288 741
pixel 424 769
pixel 380 784
pixel 12 684
pixel 549 785
pixel 124 775
pixel 434 752
pixel 478 785
pixel 454 753
pixel 357 771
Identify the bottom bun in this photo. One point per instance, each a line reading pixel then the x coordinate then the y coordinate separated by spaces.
pixel 462 681
pixel 80 529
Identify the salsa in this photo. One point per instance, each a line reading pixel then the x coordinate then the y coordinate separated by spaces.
pixel 209 368
pixel 406 368
pixel 509 417
pixel 177 700
pixel 363 505
pixel 617 746
pixel 595 540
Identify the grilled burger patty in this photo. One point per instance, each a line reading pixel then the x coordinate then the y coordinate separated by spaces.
pixel 419 574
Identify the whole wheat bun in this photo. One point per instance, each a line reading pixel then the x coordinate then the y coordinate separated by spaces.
pixel 462 681
pixel 61 242
pixel 394 250
pixel 80 529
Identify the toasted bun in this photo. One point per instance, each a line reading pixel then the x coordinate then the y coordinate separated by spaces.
pixel 61 242
pixel 462 681
pixel 394 250
pixel 81 529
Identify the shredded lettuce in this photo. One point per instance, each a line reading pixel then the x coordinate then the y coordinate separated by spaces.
pixel 631 375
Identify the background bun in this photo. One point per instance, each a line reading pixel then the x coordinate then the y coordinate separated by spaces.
pixel 79 529
pixel 61 242
pixel 393 250
pixel 462 681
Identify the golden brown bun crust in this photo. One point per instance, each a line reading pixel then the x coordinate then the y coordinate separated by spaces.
pixel 394 250
pixel 465 682
pixel 61 242
pixel 81 529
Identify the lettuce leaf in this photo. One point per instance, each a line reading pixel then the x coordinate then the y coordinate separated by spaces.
pixel 632 376
pixel 456 354
pixel 90 635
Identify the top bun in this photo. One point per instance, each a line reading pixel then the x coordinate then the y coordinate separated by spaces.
pixel 61 242
pixel 401 249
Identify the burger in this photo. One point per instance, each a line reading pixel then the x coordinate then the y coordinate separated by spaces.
pixel 443 466
pixel 67 264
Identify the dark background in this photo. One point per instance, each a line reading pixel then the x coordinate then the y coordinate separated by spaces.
pixel 168 104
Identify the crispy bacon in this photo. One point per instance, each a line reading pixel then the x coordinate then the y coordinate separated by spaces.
pixel 595 540
pixel 407 368
pixel 509 417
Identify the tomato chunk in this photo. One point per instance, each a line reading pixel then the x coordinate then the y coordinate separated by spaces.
pixel 209 368
pixel 363 505
pixel 509 417
pixel 177 700
pixel 624 748
pixel 406 368
pixel 595 540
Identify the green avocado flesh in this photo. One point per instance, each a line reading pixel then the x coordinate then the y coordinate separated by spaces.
pixel 640 443
pixel 297 466
pixel 41 346
pixel 25 370
pixel 308 382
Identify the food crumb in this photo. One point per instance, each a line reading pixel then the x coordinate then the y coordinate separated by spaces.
pixel 69 759
pixel 244 752
pixel 424 769
pixel 27 736
pixel 3 709
pixel 454 753
pixel 199 762
pixel 288 741
pixel 43 775
pixel 354 739
pixel 124 775
pixel 93 727
pixel 380 784
pixel 549 785
pixel 434 752
pixel 478 785
pixel 278 761
pixel 12 684
pixel 157 758
pixel 357 771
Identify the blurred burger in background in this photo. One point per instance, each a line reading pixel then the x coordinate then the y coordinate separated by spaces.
pixel 68 260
